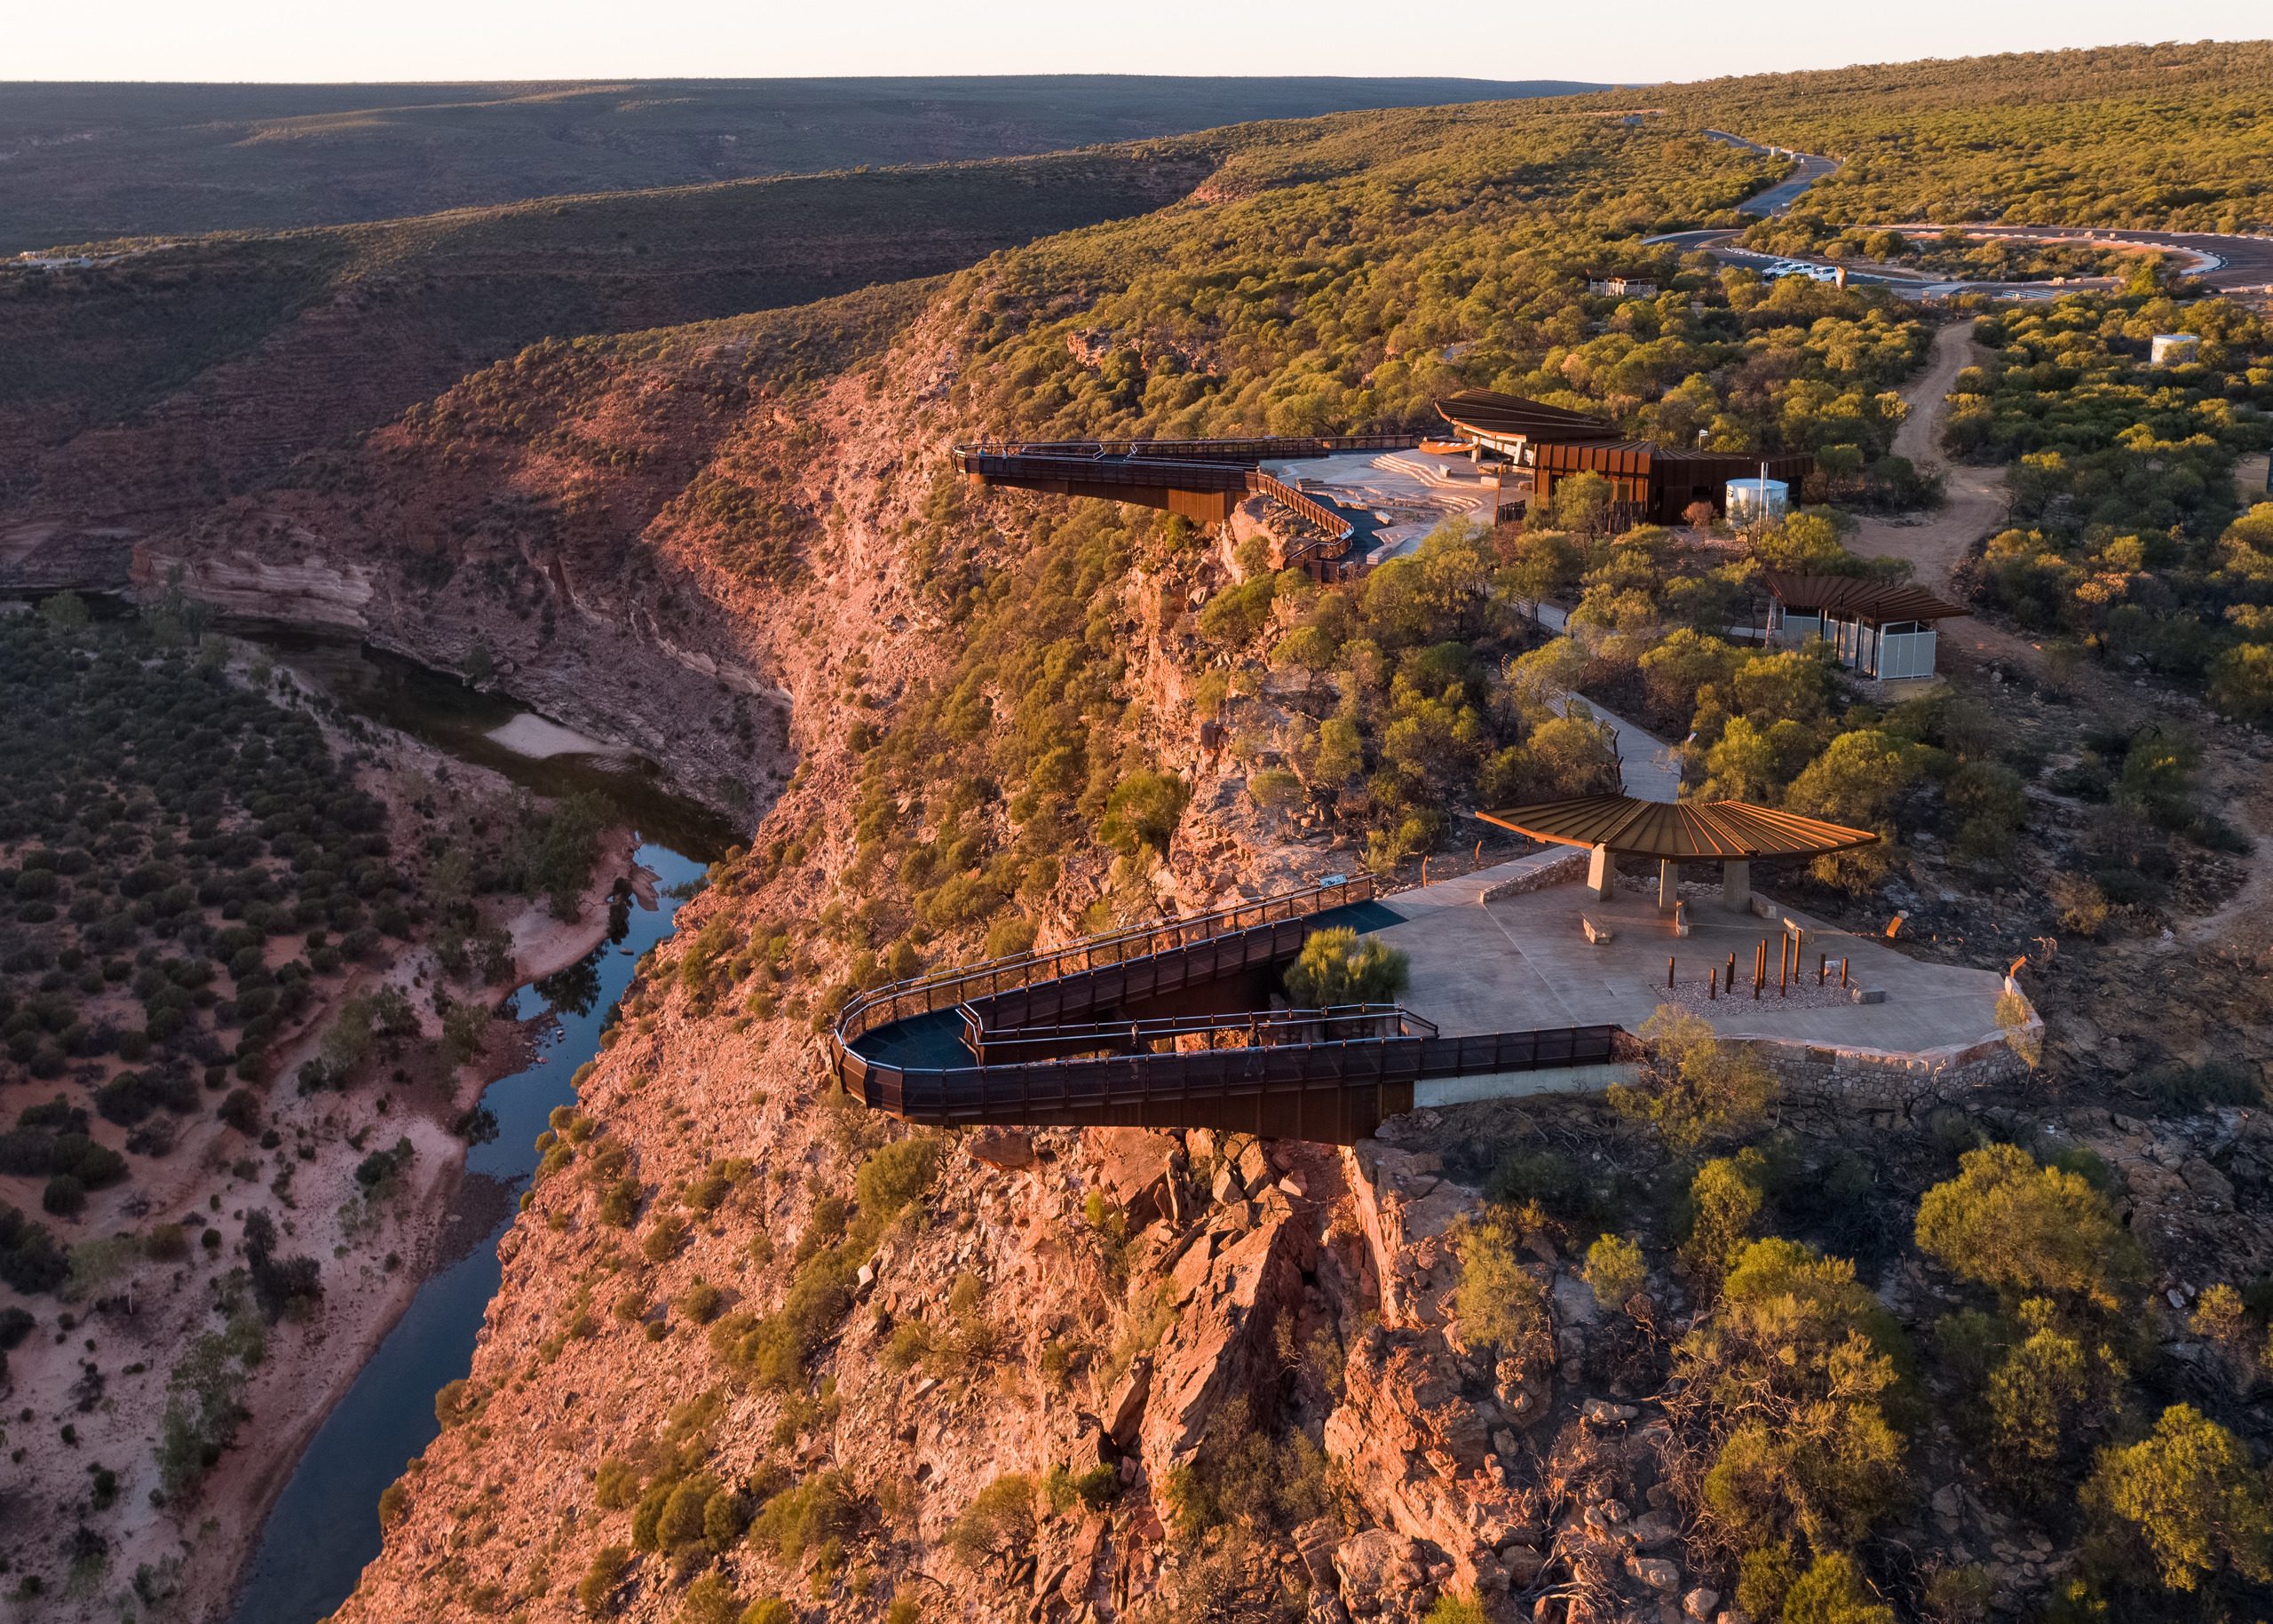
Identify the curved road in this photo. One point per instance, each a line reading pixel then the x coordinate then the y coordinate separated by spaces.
pixel 2228 264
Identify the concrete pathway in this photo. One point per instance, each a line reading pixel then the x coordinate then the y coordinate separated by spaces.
pixel 1647 766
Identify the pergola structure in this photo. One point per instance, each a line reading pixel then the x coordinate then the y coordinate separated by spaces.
pixel 1880 628
pixel 1729 833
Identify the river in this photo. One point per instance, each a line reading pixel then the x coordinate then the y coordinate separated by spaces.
pixel 324 1527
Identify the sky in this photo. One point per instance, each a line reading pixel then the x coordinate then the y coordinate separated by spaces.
pixel 1622 41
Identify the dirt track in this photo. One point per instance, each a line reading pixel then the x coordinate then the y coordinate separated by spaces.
pixel 1973 507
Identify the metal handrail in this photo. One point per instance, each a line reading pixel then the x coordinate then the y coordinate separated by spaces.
pixel 1251 448
pixel 1339 530
pixel 982 1040
pixel 946 989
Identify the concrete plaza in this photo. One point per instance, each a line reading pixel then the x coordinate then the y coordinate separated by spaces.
pixel 1523 961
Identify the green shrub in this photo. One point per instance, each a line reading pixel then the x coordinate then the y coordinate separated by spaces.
pixel 703 1302
pixel 596 1591
pixel 897 1176
pixel 680 1522
pixel 2190 1495
pixel 1336 967
pixel 1832 1591
pixel 395 1504
pixel 2008 1223
pixel 455 1401
pixel 803 1519
pixel 1794 1372
pixel 1498 1304
pixel 997 1524
pixel 710 1600
pixel 1615 1271
pixel 725 1518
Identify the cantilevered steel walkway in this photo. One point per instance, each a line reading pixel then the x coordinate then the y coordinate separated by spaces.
pixel 1200 479
pixel 1169 1025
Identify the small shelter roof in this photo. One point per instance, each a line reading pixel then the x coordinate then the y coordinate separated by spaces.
pixel 1876 600
pixel 1679 831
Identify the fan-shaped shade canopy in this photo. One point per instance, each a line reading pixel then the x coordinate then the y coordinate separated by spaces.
pixel 1493 416
pixel 1679 831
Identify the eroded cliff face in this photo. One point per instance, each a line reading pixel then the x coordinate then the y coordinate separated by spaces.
pixel 755 1342
pixel 1106 1374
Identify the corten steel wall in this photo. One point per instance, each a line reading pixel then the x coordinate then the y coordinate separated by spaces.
pixel 1333 1092
pixel 1652 485
pixel 1204 493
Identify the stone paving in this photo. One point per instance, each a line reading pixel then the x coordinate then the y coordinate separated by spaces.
pixel 1523 961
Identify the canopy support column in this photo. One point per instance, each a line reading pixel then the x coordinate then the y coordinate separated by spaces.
pixel 1668 885
pixel 1736 885
pixel 1601 873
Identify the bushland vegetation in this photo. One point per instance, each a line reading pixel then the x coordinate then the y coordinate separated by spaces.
pixel 2076 138
pixel 2130 540
pixel 1950 252
pixel 193 875
pixel 1821 1397
pixel 187 866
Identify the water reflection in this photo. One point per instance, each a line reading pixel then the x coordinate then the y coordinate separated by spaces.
pixel 325 1526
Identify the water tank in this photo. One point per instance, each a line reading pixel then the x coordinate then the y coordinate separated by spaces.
pixel 1757 500
pixel 2176 349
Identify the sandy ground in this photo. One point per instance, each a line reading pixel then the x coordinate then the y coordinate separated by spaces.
pixel 105 1375
pixel 533 736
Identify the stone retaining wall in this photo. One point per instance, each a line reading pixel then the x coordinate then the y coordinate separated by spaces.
pixel 1878 1081
pixel 1568 866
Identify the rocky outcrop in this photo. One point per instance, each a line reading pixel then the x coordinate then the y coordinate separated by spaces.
pixel 1409 1213
pixel 1231 1286
pixel 1427 1459
pixel 313 590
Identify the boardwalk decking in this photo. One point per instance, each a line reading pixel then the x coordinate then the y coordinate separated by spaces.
pixel 928 1051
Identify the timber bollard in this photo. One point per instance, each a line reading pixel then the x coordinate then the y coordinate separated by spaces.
pixel 1712 987
pixel 1669 972
pixel 1843 972
pixel 1732 974
pixel 1822 967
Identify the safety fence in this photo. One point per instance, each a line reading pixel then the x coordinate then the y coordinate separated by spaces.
pixel 1329 1074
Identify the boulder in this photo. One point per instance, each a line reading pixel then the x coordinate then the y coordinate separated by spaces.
pixel 1125 1413
pixel 1656 1572
pixel 1002 1147
pixel 1133 1169
pixel 1378 1568
pixel 1407 1213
